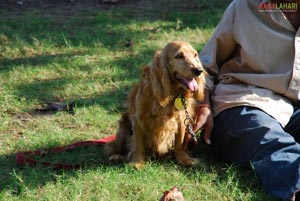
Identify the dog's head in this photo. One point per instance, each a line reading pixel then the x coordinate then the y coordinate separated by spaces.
pixel 177 67
pixel 183 63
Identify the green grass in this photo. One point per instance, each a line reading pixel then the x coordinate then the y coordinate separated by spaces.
pixel 82 55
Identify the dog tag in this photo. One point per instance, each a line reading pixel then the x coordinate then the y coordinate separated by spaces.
pixel 178 104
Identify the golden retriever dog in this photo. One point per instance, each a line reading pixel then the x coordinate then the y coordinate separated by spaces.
pixel 160 106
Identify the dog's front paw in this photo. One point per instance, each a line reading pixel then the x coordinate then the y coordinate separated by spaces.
pixel 189 162
pixel 117 158
pixel 137 165
pixel 184 159
pixel 136 159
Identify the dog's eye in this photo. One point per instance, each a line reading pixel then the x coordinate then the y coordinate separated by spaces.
pixel 195 55
pixel 179 56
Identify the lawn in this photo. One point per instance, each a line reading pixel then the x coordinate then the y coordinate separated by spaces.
pixel 89 53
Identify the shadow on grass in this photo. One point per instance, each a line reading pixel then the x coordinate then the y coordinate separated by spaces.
pixel 53 89
pixel 15 176
pixel 110 28
pixel 37 60
pixel 18 179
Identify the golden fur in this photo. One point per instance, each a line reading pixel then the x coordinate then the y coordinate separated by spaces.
pixel 152 126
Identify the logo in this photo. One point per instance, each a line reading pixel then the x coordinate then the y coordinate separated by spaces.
pixel 276 7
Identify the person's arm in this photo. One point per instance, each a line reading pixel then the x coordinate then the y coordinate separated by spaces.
pixel 204 118
pixel 218 49
pixel 222 43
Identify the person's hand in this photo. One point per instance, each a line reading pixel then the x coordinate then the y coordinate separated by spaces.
pixel 204 120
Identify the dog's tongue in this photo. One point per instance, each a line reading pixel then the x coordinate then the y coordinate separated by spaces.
pixel 192 84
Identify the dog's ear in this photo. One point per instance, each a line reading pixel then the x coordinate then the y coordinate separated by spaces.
pixel 160 79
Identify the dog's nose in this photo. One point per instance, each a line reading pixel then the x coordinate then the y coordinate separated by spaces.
pixel 197 71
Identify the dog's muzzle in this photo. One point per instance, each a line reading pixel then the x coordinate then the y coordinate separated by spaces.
pixel 197 71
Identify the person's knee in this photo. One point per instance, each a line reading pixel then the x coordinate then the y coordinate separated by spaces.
pixel 240 131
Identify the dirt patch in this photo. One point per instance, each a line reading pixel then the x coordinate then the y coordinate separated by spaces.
pixel 64 6
pixel 21 5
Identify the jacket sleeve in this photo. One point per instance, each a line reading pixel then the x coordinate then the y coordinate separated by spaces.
pixel 220 46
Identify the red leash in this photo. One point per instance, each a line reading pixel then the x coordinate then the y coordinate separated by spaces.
pixel 23 158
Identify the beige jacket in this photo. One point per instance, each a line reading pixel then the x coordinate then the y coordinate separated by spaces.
pixel 254 58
